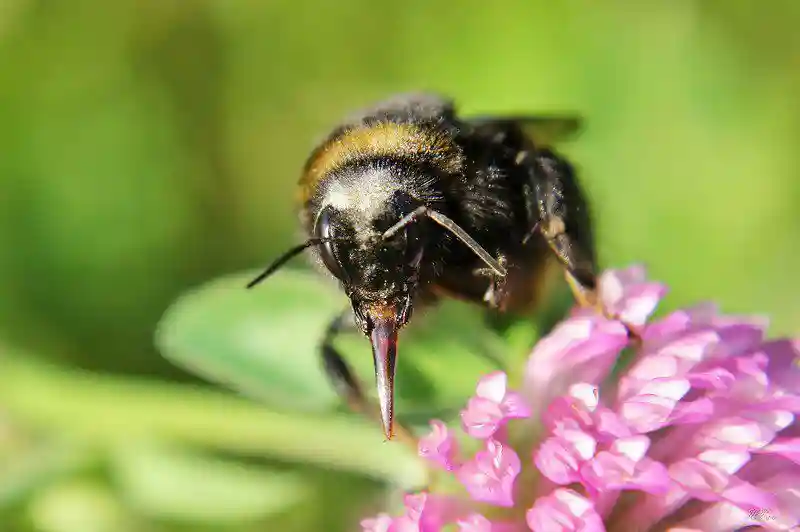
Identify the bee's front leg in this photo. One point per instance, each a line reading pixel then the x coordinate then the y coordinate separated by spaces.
pixel 496 296
pixel 563 220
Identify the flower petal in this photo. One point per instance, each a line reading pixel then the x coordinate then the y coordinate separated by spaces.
pixel 610 425
pixel 677 323
pixel 423 513
pixel 640 302
pixel 559 458
pixel 492 406
pixel 752 432
pixel 408 524
pixel 739 334
pixel 784 363
pixel 709 483
pixel 566 511
pixel 581 349
pixel 567 411
pixel 415 505
pixel 716 379
pixel 379 523
pixel 514 406
pixel 703 428
pixel 439 446
pixel 490 475
pixel 669 388
pixel 628 295
pixel 727 516
pixel 699 479
pixel 615 282
pixel 474 523
pixel 786 487
pixel 625 467
pixel 692 412
pixel 690 348
pixel 586 393
pixel 786 447
pixel 481 418
pixel 647 413
pixel 492 387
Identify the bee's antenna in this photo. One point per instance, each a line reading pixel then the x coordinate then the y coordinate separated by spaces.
pixel 451 226
pixel 286 257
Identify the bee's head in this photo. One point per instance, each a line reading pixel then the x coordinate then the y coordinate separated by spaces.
pixel 378 271
pixel 370 226
pixel 372 268
pixel 356 206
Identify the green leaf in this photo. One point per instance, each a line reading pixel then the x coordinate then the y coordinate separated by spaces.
pixel 178 485
pixel 264 342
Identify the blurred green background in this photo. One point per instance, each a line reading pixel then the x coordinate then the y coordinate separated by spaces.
pixel 147 147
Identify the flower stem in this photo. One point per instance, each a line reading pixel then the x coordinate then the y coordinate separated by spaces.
pixel 107 410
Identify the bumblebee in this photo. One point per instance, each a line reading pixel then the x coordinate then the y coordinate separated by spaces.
pixel 407 202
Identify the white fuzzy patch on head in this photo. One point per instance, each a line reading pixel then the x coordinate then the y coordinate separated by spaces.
pixel 366 195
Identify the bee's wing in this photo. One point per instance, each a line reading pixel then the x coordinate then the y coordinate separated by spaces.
pixel 544 130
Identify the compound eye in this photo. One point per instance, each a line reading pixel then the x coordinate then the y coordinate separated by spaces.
pixel 327 250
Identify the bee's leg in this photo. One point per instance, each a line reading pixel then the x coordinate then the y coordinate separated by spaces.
pixel 563 220
pixel 496 295
pixel 345 382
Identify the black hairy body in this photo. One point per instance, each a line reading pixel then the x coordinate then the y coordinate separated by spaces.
pixel 407 202
pixel 487 175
